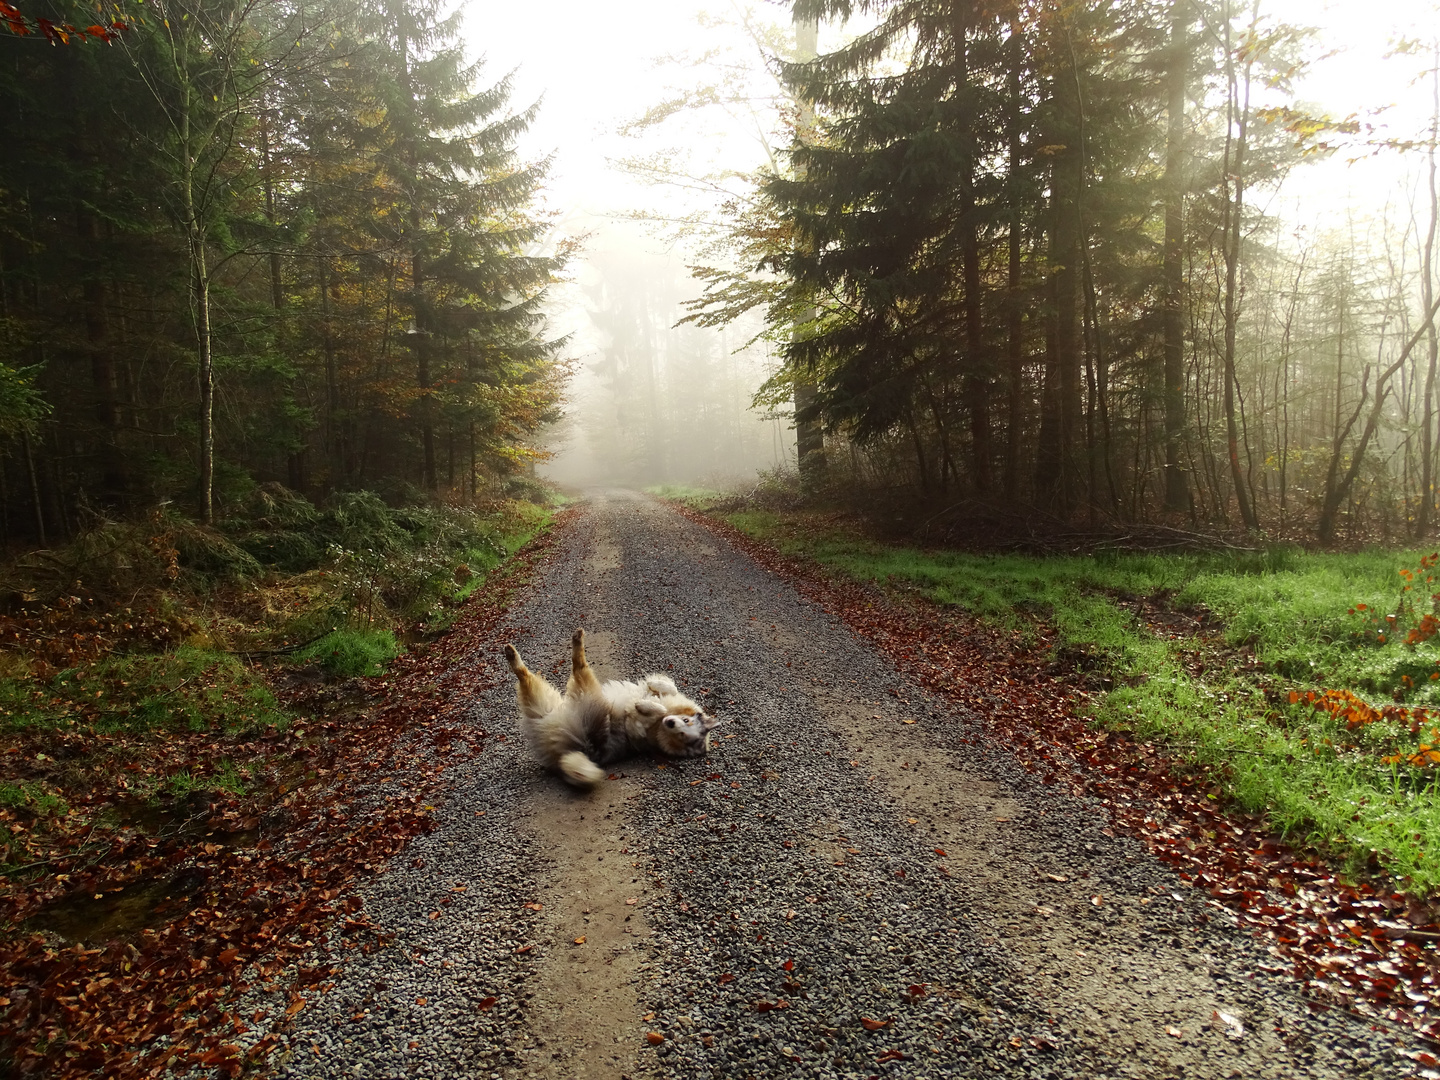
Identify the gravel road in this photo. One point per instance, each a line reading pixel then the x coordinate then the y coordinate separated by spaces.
pixel 855 883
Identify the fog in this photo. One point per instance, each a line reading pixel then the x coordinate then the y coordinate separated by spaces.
pixel 653 402
pixel 649 402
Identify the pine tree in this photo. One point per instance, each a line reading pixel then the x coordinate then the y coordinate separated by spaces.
pixel 459 202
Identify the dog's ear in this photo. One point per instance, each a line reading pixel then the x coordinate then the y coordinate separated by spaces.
pixel 659 685
pixel 652 709
pixel 708 722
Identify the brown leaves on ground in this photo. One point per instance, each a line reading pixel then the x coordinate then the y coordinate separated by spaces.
pixel 164 997
pixel 1358 946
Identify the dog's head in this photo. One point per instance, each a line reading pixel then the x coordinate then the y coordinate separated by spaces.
pixel 683 729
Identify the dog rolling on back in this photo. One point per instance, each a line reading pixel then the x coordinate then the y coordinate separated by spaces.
pixel 593 723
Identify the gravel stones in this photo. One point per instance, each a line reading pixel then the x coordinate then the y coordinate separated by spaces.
pixel 854 883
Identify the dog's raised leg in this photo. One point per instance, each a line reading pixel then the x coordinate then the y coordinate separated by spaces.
pixel 535 696
pixel 582 676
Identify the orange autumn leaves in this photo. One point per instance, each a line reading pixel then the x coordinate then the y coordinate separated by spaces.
pixel 1358 713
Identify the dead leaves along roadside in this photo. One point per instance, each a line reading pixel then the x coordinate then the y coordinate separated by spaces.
pixel 1357 947
pixel 168 997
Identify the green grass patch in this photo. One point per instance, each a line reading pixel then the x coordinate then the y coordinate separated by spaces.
pixel 33 797
pixel 190 689
pixel 349 652
pixel 1288 620
pixel 685 493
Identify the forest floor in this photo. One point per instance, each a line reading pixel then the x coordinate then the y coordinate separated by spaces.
pixel 907 855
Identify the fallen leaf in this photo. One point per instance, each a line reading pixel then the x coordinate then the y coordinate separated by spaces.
pixel 788 965
pixel 487 1003
pixel 296 1004
pixel 1098 901
pixel 654 1038
pixel 873 1025
pixel 1057 877
pixel 1231 1025
pixel 422 1001
pixel 1174 1032
pixel 535 907
pixel 940 852
pixel 580 940
pixel 632 901
pixel 726 978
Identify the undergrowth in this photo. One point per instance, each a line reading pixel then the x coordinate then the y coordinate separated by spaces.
pixel 144 657
pixel 1226 658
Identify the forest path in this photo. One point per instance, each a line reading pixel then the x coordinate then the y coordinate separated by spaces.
pixel 854 883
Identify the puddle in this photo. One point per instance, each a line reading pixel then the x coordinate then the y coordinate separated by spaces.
pixel 120 913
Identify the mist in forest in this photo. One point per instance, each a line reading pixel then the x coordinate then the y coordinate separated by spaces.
pixel 651 400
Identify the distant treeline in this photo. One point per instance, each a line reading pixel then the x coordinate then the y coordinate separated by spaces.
pixel 1018 252
pixel 262 240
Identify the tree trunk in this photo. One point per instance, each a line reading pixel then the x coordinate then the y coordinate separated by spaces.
pixel 334 446
pixel 1177 484
pixel 206 379
pixel 1015 312
pixel 102 359
pixel 1066 250
pixel 1049 449
pixel 1233 229
pixel 977 374
pixel 809 435
pixel 1427 295
pixel 34 485
pixel 1337 487
pixel 267 176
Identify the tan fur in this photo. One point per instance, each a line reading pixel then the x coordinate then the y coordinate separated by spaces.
pixel 594 722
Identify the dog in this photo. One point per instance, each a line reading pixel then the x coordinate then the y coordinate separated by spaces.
pixel 594 723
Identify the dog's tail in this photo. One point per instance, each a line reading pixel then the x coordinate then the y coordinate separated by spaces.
pixel 577 769
pixel 571 739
